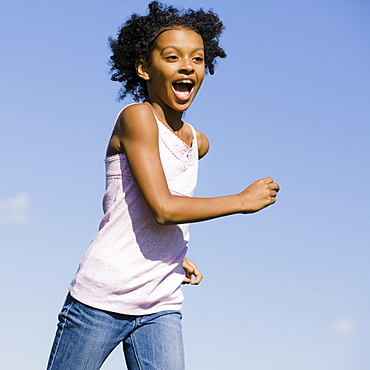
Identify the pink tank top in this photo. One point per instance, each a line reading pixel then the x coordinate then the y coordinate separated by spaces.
pixel 134 266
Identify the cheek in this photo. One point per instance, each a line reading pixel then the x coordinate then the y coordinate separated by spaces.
pixel 201 77
pixel 162 75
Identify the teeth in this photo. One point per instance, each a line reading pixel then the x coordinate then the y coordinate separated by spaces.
pixel 185 82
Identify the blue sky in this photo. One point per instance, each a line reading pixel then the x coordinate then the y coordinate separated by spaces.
pixel 284 289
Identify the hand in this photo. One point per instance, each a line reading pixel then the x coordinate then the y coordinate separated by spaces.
pixel 259 195
pixel 191 269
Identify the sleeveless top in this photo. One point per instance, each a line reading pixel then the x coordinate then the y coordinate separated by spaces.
pixel 133 266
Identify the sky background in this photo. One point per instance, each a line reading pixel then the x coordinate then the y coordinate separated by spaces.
pixel 284 289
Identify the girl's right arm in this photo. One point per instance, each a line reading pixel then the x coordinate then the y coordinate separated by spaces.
pixel 136 134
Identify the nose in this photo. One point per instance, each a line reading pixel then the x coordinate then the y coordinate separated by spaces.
pixel 186 70
pixel 186 67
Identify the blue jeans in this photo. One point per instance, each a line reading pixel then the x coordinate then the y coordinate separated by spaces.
pixel 86 336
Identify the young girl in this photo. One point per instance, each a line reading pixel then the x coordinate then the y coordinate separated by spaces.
pixel 127 287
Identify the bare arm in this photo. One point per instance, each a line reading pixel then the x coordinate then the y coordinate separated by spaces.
pixel 137 135
pixel 203 144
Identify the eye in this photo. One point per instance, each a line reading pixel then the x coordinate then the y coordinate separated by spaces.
pixel 172 57
pixel 198 59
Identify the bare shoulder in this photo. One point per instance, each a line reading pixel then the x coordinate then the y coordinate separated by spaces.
pixel 203 144
pixel 135 115
pixel 135 122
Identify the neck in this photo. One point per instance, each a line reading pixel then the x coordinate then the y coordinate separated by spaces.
pixel 168 116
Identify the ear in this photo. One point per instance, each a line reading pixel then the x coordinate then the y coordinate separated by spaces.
pixel 142 70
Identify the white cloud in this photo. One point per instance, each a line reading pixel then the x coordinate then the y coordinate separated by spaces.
pixel 344 326
pixel 14 210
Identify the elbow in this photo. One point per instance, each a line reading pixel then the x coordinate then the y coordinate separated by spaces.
pixel 162 216
pixel 161 221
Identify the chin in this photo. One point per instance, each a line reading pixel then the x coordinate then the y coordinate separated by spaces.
pixel 183 108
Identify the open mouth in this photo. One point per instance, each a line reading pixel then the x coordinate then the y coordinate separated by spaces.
pixel 183 89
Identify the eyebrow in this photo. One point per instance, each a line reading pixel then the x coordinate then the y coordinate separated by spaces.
pixel 176 48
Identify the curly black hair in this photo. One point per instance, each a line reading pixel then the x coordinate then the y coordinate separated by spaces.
pixel 136 37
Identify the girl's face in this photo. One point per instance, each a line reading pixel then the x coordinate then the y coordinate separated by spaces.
pixel 176 69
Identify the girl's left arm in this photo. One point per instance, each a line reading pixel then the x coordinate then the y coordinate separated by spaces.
pixel 203 144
